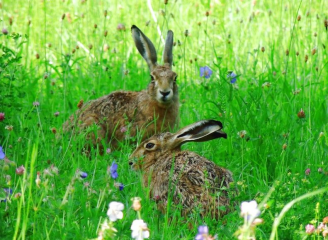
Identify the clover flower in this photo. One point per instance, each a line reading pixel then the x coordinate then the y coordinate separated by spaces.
pixel 2 116
pixel 115 211
pixel 205 72
pixel 203 234
pixel 2 153
pixel 139 229
pixel 113 170
pixel 309 229
pixel 36 104
pixel 20 170
pixel 249 210
pixel 232 76
pixel 307 171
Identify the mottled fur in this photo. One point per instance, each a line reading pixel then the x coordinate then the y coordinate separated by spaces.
pixel 192 180
pixel 149 111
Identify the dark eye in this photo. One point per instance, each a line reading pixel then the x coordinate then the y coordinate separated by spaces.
pixel 175 78
pixel 152 78
pixel 150 145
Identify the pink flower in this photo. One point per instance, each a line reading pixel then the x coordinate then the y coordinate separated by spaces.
pixel 309 229
pixel 120 27
pixel 36 104
pixel 56 114
pixel 2 116
pixel 123 129
pixel 20 170
pixel 307 171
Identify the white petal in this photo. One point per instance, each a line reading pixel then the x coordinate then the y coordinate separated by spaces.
pixel 145 234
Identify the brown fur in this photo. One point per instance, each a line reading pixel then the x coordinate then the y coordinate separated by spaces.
pixel 147 111
pixel 190 179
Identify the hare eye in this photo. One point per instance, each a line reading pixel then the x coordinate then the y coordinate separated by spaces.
pixel 152 78
pixel 175 78
pixel 150 145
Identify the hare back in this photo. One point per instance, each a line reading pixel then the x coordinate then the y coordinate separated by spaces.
pixel 192 180
pixel 119 110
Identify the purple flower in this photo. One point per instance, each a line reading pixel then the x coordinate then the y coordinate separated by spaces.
pixel 4 31
pixel 113 170
pixel 83 174
pixel 8 192
pixel 205 72
pixel 120 186
pixel 232 76
pixel 36 104
pixel 202 233
pixel 307 171
pixel 2 154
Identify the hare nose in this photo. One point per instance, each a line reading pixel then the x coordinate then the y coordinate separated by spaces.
pixel 165 93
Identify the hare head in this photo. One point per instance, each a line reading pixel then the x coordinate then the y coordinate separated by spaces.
pixel 158 146
pixel 162 86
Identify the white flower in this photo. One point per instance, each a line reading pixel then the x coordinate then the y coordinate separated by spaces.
pixel 115 211
pixel 249 210
pixel 139 229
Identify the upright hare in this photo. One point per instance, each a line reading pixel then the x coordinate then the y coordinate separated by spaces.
pixel 149 111
pixel 184 176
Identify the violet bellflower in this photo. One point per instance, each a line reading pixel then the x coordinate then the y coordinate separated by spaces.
pixel 113 170
pixel 205 72
pixel 232 76
pixel 2 154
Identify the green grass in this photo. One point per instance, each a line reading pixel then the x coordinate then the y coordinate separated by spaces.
pixel 248 39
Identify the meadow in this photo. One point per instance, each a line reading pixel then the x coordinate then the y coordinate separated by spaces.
pixel 56 53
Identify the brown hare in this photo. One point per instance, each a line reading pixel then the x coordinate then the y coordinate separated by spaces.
pixel 184 176
pixel 149 111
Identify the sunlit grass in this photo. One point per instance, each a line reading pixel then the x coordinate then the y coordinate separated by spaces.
pixel 66 51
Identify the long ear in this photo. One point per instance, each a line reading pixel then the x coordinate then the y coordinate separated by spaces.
pixel 198 132
pixel 167 55
pixel 145 47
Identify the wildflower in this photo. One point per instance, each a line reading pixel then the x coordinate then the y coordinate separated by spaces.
pixel 320 170
pixel 284 146
pixel 17 195
pixel 106 47
pixel 108 150
pixel 242 133
pixel 2 116
pixel 309 229
pixel 20 170
pixel 325 220
pixel 9 127
pixel 47 172
pixel 139 229
pixel 120 186
pixel 123 129
pixel 301 114
pixel 36 104
pixel 266 84
pixel 54 169
pixel 2 154
pixel 205 72
pixel 83 174
pixel 56 114
pixel 136 205
pixel 249 210
pixel 232 76
pixel 203 234
pixel 8 191
pixel 113 170
pixel 4 31
pixel 115 211
pixel 120 27
pixel 307 171
pixel 38 180
pixel 107 231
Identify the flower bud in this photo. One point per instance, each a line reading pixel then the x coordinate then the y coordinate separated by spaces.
pixel 301 114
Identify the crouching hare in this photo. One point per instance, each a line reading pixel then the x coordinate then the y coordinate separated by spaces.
pixel 190 179
pixel 153 110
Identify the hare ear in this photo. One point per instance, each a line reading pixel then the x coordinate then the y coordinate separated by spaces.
pixel 145 47
pixel 198 132
pixel 167 55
